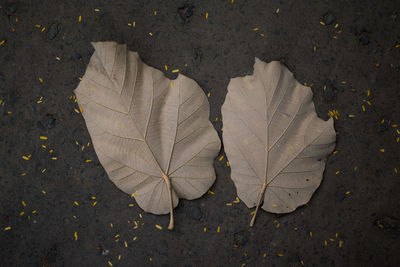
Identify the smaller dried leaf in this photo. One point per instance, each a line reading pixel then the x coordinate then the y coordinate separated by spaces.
pixel 275 142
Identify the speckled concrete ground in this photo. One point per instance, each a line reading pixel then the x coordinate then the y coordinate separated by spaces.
pixel 355 211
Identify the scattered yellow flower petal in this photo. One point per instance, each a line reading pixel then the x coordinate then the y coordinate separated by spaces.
pixel 43 137
pixel 7 228
pixel 158 227
pixel 207 15
pixel 40 79
pixel 76 236
pixel 175 70
pixel 80 19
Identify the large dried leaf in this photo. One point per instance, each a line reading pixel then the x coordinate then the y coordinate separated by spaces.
pixel 276 144
pixel 151 134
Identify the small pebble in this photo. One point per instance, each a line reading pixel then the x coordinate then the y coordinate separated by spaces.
pixel 329 18
pixel 184 13
pixel 53 31
pixel 10 7
pixel 195 213
pixel 241 238
pixel 48 122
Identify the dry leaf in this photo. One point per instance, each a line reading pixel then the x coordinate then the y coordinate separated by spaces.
pixel 151 134
pixel 276 144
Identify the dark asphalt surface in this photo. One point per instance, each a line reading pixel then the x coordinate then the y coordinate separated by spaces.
pixel 352 219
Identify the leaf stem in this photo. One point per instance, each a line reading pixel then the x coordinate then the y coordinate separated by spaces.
pixel 171 213
pixel 260 198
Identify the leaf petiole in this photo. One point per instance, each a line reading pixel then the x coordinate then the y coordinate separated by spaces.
pixel 260 197
pixel 171 213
